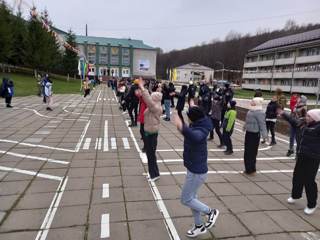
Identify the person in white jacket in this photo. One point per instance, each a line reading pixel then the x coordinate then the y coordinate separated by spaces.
pixel 48 94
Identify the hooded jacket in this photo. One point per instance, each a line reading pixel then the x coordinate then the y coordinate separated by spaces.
pixel 271 112
pixel 153 112
pixel 195 152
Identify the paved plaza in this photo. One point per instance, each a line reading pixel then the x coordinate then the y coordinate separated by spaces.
pixel 78 173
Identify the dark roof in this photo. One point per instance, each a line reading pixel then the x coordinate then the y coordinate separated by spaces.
pixel 115 42
pixel 289 40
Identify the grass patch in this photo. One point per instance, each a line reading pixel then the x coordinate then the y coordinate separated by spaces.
pixel 26 84
pixel 245 93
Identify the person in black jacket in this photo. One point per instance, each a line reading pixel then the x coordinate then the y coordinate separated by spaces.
pixel 205 97
pixel 166 100
pixel 271 118
pixel 227 96
pixel 132 102
pixel 308 160
pixel 181 101
pixel 172 90
pixel 191 91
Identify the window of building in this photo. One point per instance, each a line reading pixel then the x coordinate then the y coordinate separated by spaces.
pixel 310 82
pixel 92 54
pixel 285 82
pixel 114 56
pixel 125 56
pixel 103 59
pixel 287 54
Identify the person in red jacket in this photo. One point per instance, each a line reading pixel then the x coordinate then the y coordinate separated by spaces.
pixel 293 103
pixel 142 108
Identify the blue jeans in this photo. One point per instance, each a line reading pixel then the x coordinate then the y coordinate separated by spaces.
pixel 293 133
pixel 167 103
pixel 190 188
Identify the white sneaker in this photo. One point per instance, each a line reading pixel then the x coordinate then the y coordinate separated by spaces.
pixel 154 179
pixel 291 200
pixel 196 231
pixel 310 211
pixel 212 218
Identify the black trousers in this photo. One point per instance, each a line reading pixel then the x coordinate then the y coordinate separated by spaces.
pixel 251 144
pixel 86 92
pixel 133 107
pixel 270 127
pixel 142 134
pixel 304 175
pixel 216 125
pixel 151 142
pixel 180 115
pixel 8 100
pixel 227 140
pixel 172 101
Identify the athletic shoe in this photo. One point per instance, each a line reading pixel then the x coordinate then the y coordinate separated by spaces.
pixel 290 152
pixel 9 106
pixel 196 231
pixel 154 179
pixel 49 109
pixel 291 200
pixel 272 143
pixel 228 152
pixel 167 119
pixel 221 146
pixel 212 218
pixel 310 211
pixel 263 141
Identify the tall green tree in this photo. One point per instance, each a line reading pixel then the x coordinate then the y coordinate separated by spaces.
pixel 70 58
pixel 19 41
pixel 5 33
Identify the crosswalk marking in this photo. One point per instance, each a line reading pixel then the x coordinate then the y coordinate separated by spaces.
pixel 113 143
pixel 96 146
pixel 99 143
pixel 125 143
pixel 106 138
pixel 86 144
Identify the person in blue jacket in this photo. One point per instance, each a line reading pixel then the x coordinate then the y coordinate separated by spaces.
pixel 7 91
pixel 195 156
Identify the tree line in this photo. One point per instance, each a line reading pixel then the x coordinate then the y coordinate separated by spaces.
pixel 26 43
pixel 230 52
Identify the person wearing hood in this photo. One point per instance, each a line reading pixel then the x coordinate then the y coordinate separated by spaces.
pixel 204 97
pixel 166 100
pixel 298 112
pixel 191 91
pixel 227 96
pixel 271 118
pixel 216 109
pixel 195 159
pixel 7 91
pixel 308 160
pixel 172 90
pixel 132 102
pixel 255 127
pixel 151 128
pixel 228 126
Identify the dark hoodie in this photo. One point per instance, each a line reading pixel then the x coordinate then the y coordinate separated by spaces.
pixel 195 153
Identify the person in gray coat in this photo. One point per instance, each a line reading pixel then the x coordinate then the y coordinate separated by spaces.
pixel 216 109
pixel 255 127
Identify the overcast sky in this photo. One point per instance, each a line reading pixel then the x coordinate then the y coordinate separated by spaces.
pixel 176 24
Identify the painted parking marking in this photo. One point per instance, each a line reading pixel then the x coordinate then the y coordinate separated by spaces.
pixel 34 157
pixel 99 95
pixel 105 226
pixel 33 140
pixel 113 143
pixel 99 143
pixel 42 132
pixel 125 143
pixel 83 134
pixel 106 139
pixel 105 190
pixel 86 144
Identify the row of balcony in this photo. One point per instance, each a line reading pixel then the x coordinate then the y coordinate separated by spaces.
pixel 267 75
pixel 285 88
pixel 283 61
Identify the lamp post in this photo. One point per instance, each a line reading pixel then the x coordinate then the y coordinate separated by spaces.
pixel 221 63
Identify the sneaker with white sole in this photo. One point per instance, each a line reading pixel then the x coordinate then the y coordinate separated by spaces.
pixel 154 179
pixel 212 218
pixel 196 231
pixel 291 200
pixel 310 211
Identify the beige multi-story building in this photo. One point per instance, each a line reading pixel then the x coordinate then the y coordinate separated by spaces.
pixel 194 72
pixel 291 63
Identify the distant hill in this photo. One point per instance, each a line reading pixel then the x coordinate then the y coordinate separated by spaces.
pixel 231 51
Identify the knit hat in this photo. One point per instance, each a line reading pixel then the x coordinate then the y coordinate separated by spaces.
pixel 136 81
pixel 195 113
pixel 233 103
pixel 256 103
pixel 303 100
pixel 314 114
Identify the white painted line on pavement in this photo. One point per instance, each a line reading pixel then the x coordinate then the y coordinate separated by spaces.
pixel 113 143
pixel 31 173
pixel 96 146
pixel 106 139
pixel 42 132
pixel 115 96
pixel 37 145
pixel 100 144
pixel 112 99
pixel 105 226
pixel 225 172
pixel 83 134
pixel 156 194
pixel 87 114
pixel 229 159
pixel 45 227
pixel 86 144
pixel 44 116
pixel 126 143
pixel 105 190
pixel 99 95
pixel 34 157
pixel 104 99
